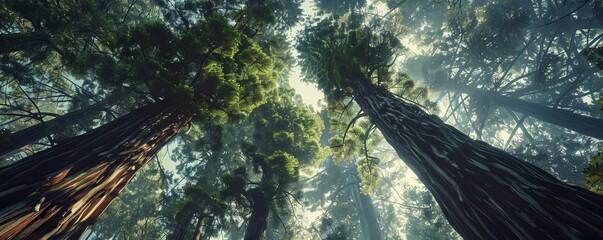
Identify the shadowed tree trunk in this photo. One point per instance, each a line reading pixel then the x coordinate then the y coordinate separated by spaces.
pixel 198 228
pixel 181 227
pixel 36 132
pixel 59 192
pixel 258 223
pixel 366 211
pixel 588 126
pixel 484 192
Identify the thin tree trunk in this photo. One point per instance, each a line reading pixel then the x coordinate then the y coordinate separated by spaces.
pixel 59 192
pixel 181 227
pixel 484 192
pixel 588 126
pixel 367 213
pixel 36 132
pixel 198 228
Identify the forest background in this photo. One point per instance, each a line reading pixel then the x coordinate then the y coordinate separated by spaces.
pixel 185 117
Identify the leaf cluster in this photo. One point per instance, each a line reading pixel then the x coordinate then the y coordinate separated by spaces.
pixel 336 50
pixel 210 66
pixel 594 170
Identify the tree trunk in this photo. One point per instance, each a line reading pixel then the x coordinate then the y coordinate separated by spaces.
pixel 367 213
pixel 258 223
pixel 31 134
pixel 584 125
pixel 198 228
pixel 181 227
pixel 484 192
pixel 59 192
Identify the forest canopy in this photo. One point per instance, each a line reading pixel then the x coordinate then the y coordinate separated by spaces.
pixel 301 119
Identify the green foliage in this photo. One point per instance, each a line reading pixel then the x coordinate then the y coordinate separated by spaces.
pixel 595 56
pixel 404 87
pixel 285 137
pixel 204 205
pixel 336 51
pixel 287 166
pixel 368 172
pixel 425 220
pixel 135 214
pixel 594 170
pixel 210 66
pixel 594 173
pixel 235 183
pixel 282 125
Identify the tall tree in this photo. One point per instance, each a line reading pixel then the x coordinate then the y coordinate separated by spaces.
pixel 425 220
pixel 206 71
pixel 47 196
pixel 134 213
pixel 285 138
pixel 484 192
pixel 584 125
pixel 57 125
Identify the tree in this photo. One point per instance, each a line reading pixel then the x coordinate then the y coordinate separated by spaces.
pixel 206 71
pixel 484 192
pixel 134 213
pixel 584 125
pixel 425 221
pixel 516 49
pixel 55 126
pixel 204 206
pixel 48 196
pixel 285 138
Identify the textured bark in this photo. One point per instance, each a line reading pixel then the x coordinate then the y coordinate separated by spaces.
pixel 258 223
pixel 36 132
pixel 59 192
pixel 584 125
pixel 484 192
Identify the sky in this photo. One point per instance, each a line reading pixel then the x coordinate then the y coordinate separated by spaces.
pixel 309 93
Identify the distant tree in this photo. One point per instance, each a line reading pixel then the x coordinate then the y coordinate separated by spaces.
pixel 133 214
pixel 339 7
pixel 584 125
pixel 285 138
pixel 425 221
pixel 203 207
pixel 57 125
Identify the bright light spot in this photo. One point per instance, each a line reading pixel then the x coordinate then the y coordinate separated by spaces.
pixel 309 93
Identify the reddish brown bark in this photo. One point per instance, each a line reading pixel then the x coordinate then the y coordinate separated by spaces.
pixel 59 192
